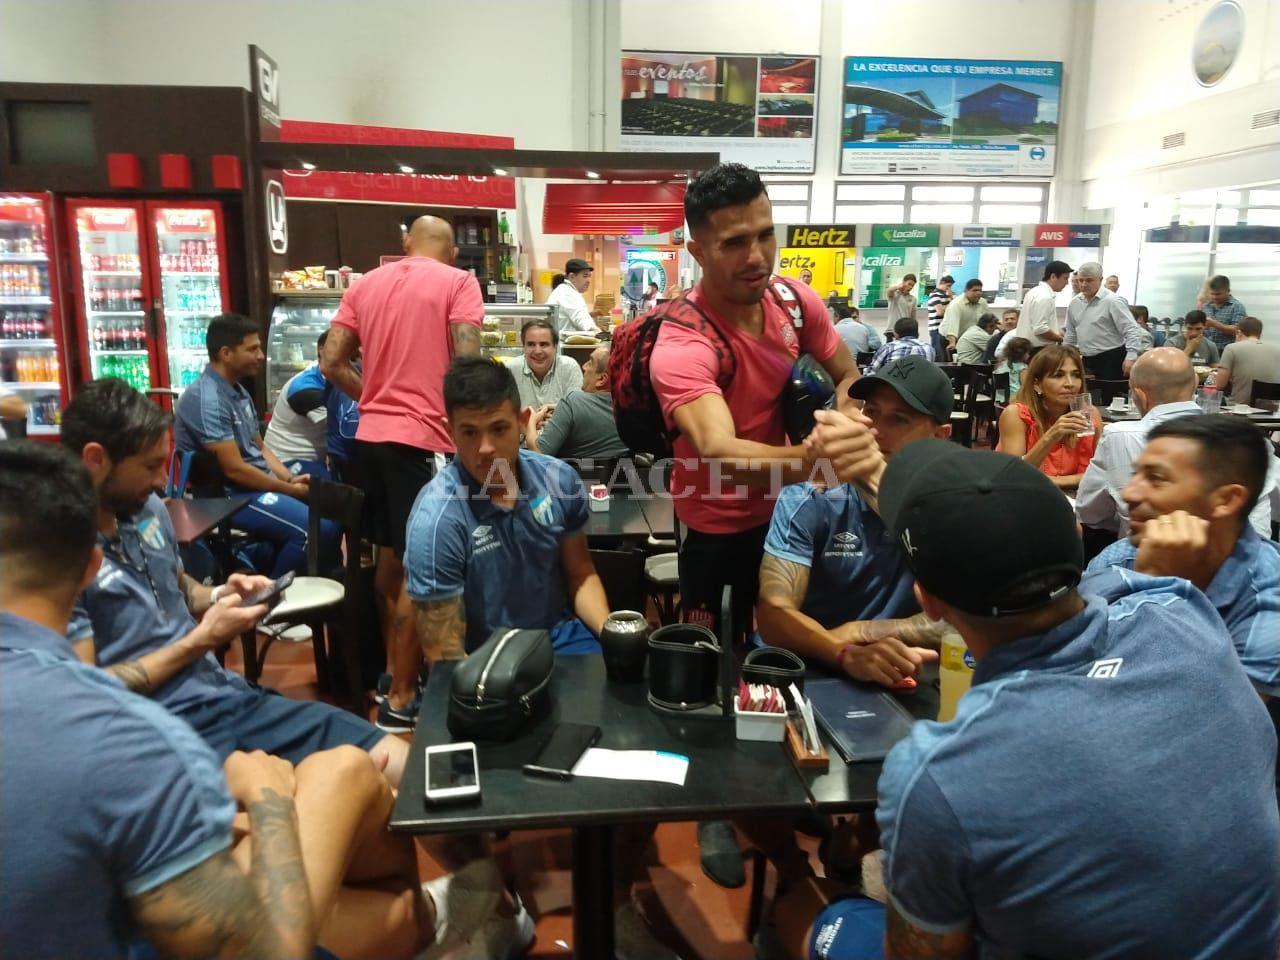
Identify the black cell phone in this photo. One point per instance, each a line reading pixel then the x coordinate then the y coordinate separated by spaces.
pixel 566 745
pixel 269 594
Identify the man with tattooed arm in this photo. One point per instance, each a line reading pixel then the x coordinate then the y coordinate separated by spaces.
pixel 122 824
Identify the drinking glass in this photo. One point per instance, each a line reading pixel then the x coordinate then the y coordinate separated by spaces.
pixel 1083 403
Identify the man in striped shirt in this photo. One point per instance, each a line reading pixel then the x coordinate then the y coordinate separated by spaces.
pixel 937 306
pixel 907 343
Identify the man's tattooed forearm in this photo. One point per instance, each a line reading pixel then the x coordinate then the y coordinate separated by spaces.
pixel 133 674
pixel 441 629
pixel 277 864
pixel 783 581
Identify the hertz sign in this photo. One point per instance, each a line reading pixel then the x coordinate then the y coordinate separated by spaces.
pixel 812 235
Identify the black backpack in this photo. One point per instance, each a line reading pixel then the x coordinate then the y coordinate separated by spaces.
pixel 636 409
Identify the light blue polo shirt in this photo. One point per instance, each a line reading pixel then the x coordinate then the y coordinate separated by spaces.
pixel 103 795
pixel 1106 789
pixel 856 571
pixel 135 606
pixel 212 410
pixel 1246 593
pixel 505 563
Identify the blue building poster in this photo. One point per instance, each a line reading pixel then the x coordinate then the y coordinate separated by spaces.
pixel 979 118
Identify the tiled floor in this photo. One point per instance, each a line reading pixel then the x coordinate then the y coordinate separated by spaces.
pixel 694 915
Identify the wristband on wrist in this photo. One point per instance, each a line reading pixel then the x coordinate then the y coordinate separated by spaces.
pixel 216 592
pixel 844 652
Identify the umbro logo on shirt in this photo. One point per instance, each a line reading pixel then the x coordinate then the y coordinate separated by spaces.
pixel 845 544
pixel 483 540
pixel 1105 669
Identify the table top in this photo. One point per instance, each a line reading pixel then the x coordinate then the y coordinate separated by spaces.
pixel 845 787
pixel 192 519
pixel 624 520
pixel 1268 421
pixel 660 512
pixel 725 776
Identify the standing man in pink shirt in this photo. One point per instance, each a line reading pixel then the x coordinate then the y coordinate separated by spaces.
pixel 731 446
pixel 408 320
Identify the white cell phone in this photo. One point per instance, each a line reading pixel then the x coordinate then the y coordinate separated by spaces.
pixel 452 773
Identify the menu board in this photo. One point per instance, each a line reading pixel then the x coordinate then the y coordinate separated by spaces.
pixel 757 110
pixel 987 118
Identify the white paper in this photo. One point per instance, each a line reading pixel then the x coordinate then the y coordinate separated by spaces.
pixel 656 765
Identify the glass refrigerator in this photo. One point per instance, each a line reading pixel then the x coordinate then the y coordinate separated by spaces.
pixel 33 360
pixel 297 320
pixel 148 276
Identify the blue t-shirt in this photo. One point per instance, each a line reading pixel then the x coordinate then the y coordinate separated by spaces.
pixel 856 571
pixel 212 410
pixel 505 563
pixel 341 423
pixel 135 605
pixel 1246 593
pixel 1106 789
pixel 104 796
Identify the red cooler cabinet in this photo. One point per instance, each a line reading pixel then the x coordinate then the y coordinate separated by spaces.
pixel 33 357
pixel 148 277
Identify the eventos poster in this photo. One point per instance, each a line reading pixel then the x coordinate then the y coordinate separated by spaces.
pixel 761 111
pixel 950 117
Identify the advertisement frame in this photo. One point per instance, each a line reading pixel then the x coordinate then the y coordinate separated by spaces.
pixel 924 106
pixel 682 144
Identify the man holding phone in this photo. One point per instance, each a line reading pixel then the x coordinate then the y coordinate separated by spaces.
pixel 137 618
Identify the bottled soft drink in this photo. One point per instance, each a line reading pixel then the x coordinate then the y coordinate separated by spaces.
pixel 956 674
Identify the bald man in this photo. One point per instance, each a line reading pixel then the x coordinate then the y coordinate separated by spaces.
pixel 1163 385
pixel 409 319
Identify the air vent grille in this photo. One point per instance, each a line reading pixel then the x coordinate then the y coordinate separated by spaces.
pixel 1267 118
pixel 1174 140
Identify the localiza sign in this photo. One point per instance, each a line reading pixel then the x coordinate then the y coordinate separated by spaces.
pixel 904 235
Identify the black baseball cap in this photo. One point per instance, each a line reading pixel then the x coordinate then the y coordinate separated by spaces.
pixel 576 266
pixel 918 381
pixel 985 532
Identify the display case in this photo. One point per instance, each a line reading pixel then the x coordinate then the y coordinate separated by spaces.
pixel 297 320
pixel 500 336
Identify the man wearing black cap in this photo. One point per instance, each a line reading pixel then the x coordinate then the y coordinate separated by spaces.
pixel 574 315
pixel 1039 819
pixel 834 587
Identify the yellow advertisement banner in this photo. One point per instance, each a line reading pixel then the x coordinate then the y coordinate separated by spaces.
pixel 828 270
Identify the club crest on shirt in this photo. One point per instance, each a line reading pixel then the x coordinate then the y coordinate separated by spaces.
pixel 152 533
pixel 543 510
pixel 788 334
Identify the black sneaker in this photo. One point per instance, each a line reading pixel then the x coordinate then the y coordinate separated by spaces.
pixel 399 719
pixel 383 687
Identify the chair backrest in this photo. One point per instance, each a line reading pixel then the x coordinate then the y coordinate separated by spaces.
pixel 343 505
pixel 1266 394
pixel 204 475
pixel 179 471
pixel 1000 381
pixel 864 357
pixel 622 573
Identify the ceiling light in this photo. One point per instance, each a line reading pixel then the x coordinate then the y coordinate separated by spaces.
pixel 405 168
pixel 592 175
pixel 499 172
pixel 307 165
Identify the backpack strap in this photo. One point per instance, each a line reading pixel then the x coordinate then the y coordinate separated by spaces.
pixel 700 322
pixel 786 294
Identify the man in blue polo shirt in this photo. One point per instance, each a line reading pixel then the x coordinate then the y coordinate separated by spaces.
pixel 834 587
pixel 1078 805
pixel 496 538
pixel 1189 501
pixel 137 617
pixel 118 817
pixel 216 414
pixel 296 432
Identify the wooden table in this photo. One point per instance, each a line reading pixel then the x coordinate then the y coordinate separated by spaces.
pixel 623 522
pixel 1264 421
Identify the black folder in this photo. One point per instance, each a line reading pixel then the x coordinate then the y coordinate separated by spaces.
pixel 862 721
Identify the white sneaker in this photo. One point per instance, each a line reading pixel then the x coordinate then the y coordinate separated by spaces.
pixel 497 938
pixel 464 902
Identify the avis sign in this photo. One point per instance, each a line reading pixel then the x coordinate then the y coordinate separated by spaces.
pixel 1068 235
pixel 264 81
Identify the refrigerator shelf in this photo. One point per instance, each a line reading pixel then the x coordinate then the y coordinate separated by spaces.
pixel 115 313
pixel 118 353
pixel 26 301
pixel 113 273
pixel 29 385
pixel 179 274
pixel 193 351
pixel 28 344
pixel 23 258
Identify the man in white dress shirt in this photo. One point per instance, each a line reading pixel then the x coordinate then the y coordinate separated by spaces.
pixel 1164 387
pixel 1038 321
pixel 1102 327
pixel 574 315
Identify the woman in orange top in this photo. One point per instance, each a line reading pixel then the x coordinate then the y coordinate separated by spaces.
pixel 1040 427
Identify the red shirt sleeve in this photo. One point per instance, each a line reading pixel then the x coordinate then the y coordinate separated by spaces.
pixel 682 367
pixel 466 305
pixel 347 315
pixel 818 336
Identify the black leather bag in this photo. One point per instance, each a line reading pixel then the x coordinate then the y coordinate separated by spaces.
pixel 501 686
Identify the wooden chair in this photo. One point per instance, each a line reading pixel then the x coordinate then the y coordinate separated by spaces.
pixel 961 421
pixel 329 608
pixel 1266 395
pixel 863 358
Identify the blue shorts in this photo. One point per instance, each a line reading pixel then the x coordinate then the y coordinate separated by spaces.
pixel 571 638
pixel 851 929
pixel 257 719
